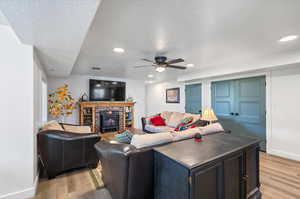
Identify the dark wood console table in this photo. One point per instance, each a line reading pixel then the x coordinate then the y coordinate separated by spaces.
pixel 223 166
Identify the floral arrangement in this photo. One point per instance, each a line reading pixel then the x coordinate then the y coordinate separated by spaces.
pixel 61 103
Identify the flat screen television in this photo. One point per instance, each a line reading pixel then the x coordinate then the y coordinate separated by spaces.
pixel 101 90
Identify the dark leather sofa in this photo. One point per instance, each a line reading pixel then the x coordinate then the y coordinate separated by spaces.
pixel 127 172
pixel 61 151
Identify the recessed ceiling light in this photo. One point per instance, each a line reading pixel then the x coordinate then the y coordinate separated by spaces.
pixel 190 65
pixel 149 82
pixel 160 69
pixel 150 76
pixel 288 38
pixel 119 50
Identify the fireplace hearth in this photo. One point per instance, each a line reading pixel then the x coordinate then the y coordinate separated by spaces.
pixel 109 121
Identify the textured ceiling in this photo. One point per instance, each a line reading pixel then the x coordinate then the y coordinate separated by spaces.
pixel 208 33
pixel 57 28
pixel 75 35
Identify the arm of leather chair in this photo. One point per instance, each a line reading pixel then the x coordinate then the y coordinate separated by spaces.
pixel 67 135
pixel 124 168
pixel 114 159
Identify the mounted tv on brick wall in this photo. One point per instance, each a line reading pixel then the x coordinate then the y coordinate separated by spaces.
pixel 102 90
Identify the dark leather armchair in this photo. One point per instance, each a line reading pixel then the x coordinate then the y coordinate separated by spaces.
pixel 127 172
pixel 61 151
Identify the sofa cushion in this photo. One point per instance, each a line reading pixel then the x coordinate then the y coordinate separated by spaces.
pixel 77 129
pixel 158 121
pixel 166 115
pixel 175 119
pixel 53 125
pixel 146 140
pixel 158 129
pixel 212 128
pixel 186 134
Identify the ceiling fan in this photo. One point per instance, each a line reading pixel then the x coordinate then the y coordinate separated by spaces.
pixel 161 63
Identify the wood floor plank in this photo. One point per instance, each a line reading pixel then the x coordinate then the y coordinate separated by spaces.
pixel 280 179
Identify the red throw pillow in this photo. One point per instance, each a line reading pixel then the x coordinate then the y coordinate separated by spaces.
pixel 158 121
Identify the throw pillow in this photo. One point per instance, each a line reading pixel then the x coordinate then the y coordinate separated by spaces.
pixel 52 125
pixel 158 121
pixel 212 128
pixel 166 115
pixel 184 123
pixel 175 119
pixel 194 116
pixel 124 137
pixel 146 140
pixel 148 119
pixel 199 123
pixel 77 129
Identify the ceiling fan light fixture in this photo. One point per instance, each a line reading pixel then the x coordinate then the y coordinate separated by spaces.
pixel 119 50
pixel 160 69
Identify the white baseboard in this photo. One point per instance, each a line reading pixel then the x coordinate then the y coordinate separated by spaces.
pixel 23 194
pixel 284 154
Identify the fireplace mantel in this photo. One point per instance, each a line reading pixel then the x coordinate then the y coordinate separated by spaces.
pixel 89 114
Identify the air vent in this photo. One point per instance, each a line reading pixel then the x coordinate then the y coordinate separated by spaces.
pixel 96 68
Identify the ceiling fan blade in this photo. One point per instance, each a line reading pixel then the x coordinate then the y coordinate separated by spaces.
pixel 177 67
pixel 143 66
pixel 148 60
pixel 174 61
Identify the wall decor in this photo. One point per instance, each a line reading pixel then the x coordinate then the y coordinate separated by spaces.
pixel 173 95
pixel 84 98
pixel 61 103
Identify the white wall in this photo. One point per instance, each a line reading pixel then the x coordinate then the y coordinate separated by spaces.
pixel 285 106
pixel 79 84
pixel 156 98
pixel 17 138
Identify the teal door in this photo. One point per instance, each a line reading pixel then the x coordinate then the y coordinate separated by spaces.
pixel 241 106
pixel 193 98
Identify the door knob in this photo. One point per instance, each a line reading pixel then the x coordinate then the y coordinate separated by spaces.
pixel 200 111
pixel 236 114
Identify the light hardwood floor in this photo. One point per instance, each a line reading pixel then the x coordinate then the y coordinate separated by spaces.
pixel 280 179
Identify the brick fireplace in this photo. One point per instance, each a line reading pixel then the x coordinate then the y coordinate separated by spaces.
pixel 106 117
